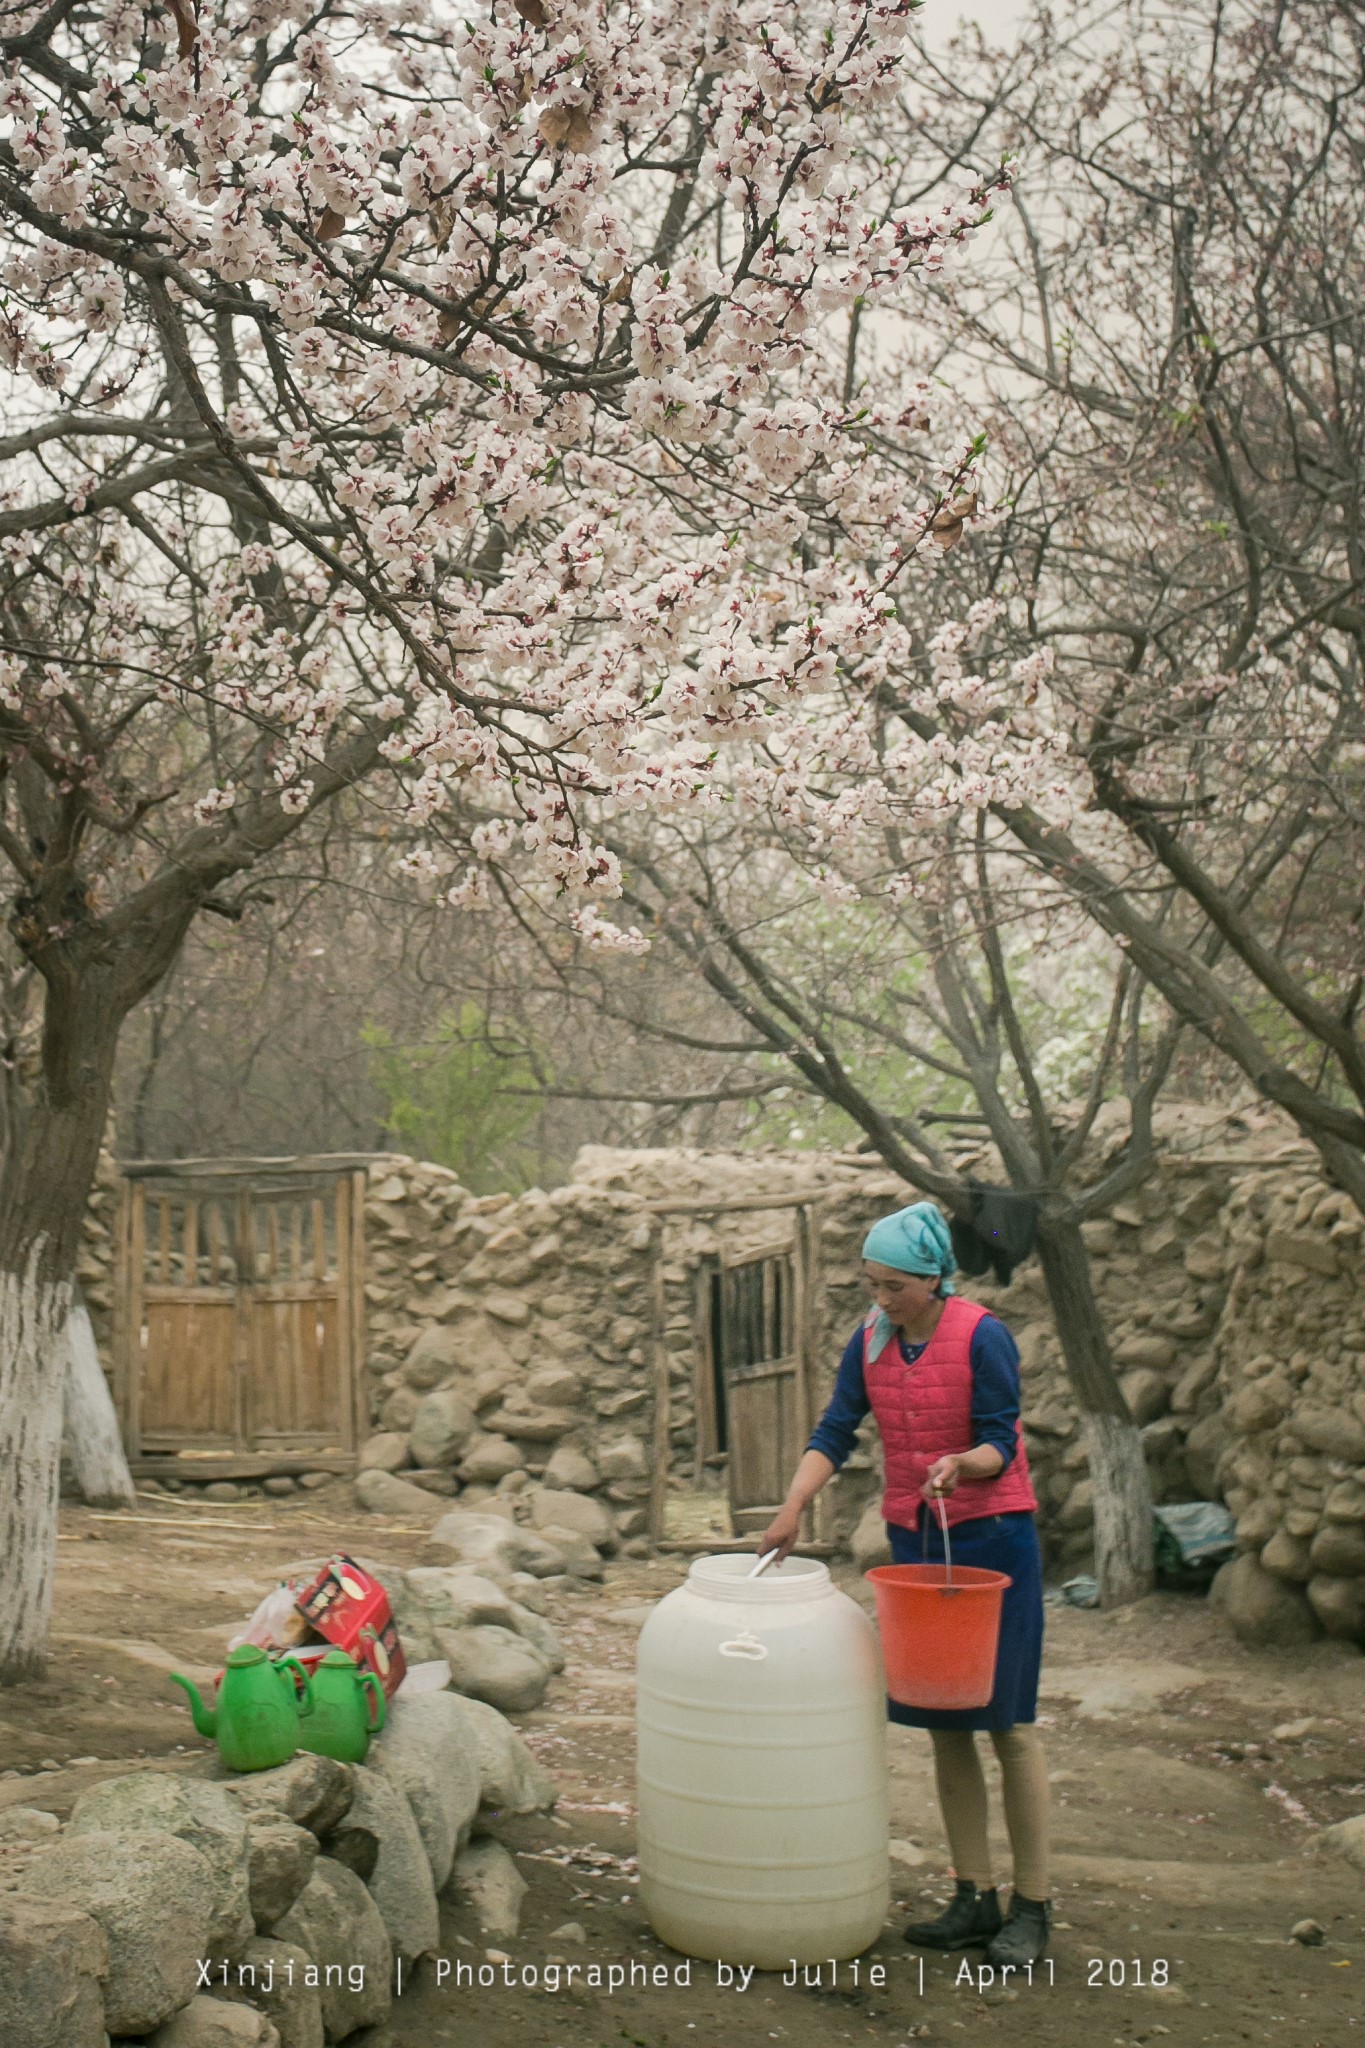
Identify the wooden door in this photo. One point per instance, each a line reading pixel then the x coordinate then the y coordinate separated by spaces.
pixel 759 1381
pixel 240 1324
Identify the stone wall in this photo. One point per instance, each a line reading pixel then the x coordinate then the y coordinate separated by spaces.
pixel 1232 1282
pixel 1285 1431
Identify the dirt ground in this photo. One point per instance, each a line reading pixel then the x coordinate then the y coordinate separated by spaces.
pixel 1189 1774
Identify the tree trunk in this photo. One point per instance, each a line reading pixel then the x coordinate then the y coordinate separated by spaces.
pixel 45 1186
pixel 33 1351
pixel 93 1442
pixel 1118 1469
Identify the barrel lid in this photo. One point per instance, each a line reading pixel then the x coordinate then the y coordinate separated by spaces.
pixel 725 1576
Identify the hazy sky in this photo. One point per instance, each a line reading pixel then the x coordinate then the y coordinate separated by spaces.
pixel 996 17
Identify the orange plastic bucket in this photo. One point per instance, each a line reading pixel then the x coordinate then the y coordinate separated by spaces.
pixel 939 1638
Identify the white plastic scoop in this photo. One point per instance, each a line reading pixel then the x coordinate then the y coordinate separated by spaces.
pixel 764 1561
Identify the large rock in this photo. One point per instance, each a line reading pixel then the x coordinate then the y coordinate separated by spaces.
pixel 338 1924
pixel 1145 1352
pixel 1333 1431
pixel 496 1545
pixel 489 1460
pixel 555 1386
pixel 272 1976
pixel 529 1591
pixel 625 1459
pixel 397 1410
pixel 455 1596
pixel 28 1824
pixel 469 1347
pixel 153 1802
pixel 384 1493
pixel 1303 1248
pixel 537 1631
pixel 280 1859
pixel 1260 1405
pixel 211 2023
pixel 488 1884
pixel 1287 1556
pixel 312 1791
pixel 551 1509
pixel 1258 1523
pixel 534 1425
pixel 1346 1502
pixel 510 1778
pixel 399 1875
pixel 154 1897
pixel 570 1470
pixel 1146 1393
pixel 53 1963
pixel 495 1665
pixel 1199 1375
pixel 869 1542
pixel 1339 1605
pixel 1339 1550
pixel 435 1356
pixel 427 1754
pixel 1346 1839
pixel 386 1452
pixel 1260 1608
pixel 581 1558
pixel 442 1426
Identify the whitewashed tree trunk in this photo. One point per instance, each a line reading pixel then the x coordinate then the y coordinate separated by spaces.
pixel 1118 1468
pixel 33 1346
pixel 1123 1508
pixel 93 1442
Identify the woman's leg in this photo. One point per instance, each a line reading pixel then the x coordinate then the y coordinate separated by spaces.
pixel 973 1917
pixel 962 1796
pixel 1023 1772
pixel 1023 1939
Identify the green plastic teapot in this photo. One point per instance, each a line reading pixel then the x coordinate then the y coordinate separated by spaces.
pixel 348 1708
pixel 255 1721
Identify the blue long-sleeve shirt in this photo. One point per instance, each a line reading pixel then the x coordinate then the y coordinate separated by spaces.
pixel 995 1393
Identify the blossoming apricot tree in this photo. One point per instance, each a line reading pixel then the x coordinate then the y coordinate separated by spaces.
pixel 398 409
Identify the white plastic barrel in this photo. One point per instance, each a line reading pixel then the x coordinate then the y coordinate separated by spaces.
pixel 761 1766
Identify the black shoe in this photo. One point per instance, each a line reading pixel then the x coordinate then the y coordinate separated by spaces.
pixel 972 1918
pixel 1023 1938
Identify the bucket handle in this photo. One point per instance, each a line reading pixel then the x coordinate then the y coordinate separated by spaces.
pixel 745 1644
pixel 947 1545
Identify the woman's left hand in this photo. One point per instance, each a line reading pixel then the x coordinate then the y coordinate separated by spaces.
pixel 944 1476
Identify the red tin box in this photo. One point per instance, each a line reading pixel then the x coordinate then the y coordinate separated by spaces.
pixel 351 1610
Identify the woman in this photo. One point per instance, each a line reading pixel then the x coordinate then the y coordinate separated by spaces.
pixel 941 1375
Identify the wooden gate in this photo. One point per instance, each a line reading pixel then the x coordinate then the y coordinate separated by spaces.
pixel 239 1315
pixel 754 1405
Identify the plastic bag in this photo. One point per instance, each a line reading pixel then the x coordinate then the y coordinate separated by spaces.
pixel 276 1624
pixel 430 1677
pixel 1191 1539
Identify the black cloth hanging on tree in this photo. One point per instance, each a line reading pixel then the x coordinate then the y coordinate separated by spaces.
pixel 999 1234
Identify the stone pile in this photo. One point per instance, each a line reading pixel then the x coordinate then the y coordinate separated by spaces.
pixel 216 1910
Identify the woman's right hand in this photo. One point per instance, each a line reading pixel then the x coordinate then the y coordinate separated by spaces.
pixel 781 1533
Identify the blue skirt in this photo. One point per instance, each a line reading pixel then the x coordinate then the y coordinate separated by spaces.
pixel 996 1543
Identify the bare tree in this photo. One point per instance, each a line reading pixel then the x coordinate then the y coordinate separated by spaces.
pixel 1169 351
pixel 878 998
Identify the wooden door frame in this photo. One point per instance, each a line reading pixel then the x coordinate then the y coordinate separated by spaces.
pixel 244 1179
pixel 803 1249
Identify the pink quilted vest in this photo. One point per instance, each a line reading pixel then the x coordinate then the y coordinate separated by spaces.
pixel 924 1411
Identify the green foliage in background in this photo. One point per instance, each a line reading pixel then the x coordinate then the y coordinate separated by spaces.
pixel 448 1100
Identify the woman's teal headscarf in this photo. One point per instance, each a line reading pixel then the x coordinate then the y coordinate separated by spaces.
pixel 914 1240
